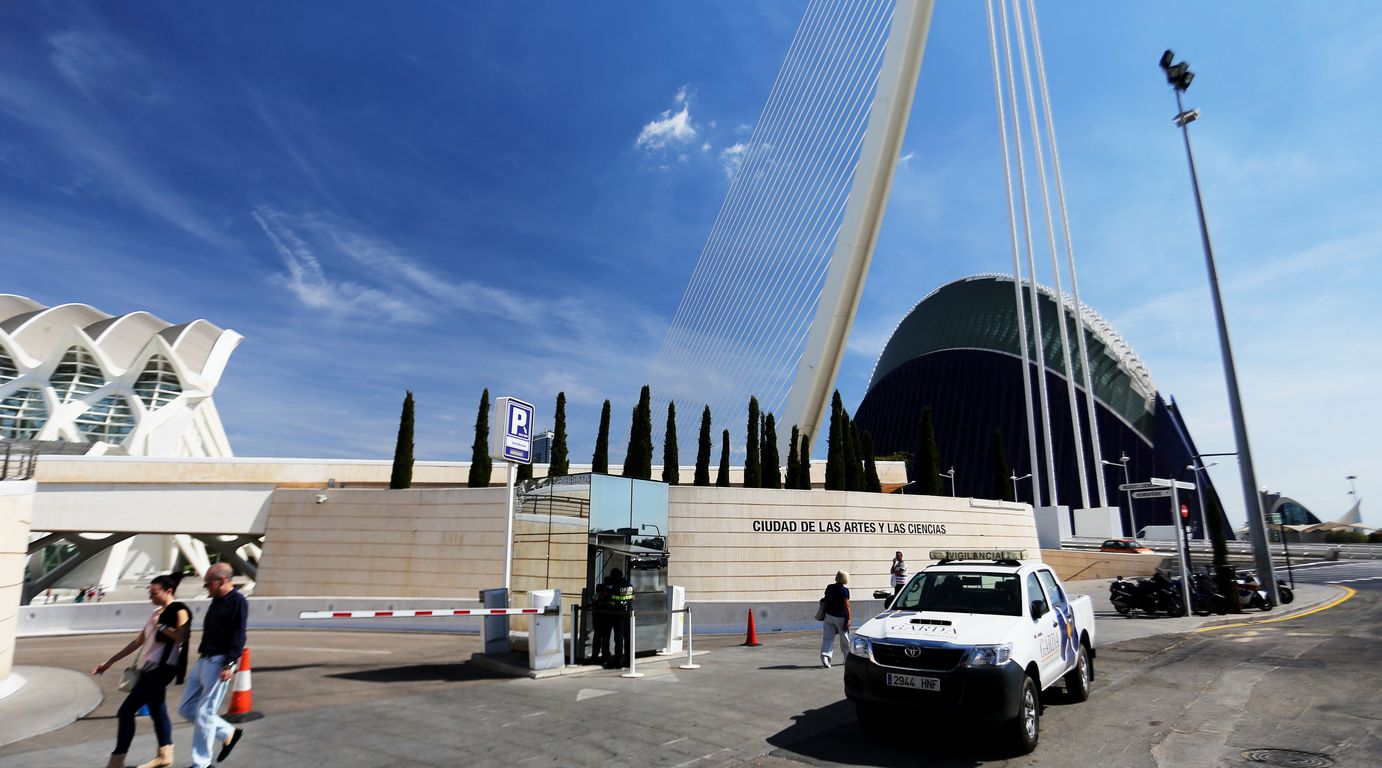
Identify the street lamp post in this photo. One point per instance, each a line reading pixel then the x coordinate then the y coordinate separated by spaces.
pixel 1179 77
pixel 1123 460
pixel 1197 467
pixel 1015 478
pixel 951 475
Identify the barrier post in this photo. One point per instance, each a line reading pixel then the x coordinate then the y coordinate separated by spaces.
pixel 690 663
pixel 633 672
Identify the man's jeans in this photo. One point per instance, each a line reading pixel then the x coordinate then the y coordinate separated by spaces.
pixel 200 703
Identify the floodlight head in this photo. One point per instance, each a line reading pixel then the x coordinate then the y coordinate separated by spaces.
pixel 1167 58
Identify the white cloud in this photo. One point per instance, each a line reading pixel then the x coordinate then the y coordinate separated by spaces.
pixel 670 127
pixel 906 160
pixel 732 159
pixel 308 281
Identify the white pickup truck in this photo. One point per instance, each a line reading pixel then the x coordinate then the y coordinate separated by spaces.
pixel 979 634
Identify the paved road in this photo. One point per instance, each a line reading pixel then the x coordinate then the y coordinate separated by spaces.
pixel 1347 572
pixel 1309 683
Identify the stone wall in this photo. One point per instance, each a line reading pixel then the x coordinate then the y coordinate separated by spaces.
pixel 773 546
pixel 384 543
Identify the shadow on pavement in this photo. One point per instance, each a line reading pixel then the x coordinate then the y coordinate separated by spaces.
pixel 793 666
pixel 417 673
pixel 832 735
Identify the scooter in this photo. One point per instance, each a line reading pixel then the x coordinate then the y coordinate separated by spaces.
pixel 1151 596
pixel 1204 596
pixel 1250 593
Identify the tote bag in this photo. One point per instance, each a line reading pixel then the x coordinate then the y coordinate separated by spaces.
pixel 129 676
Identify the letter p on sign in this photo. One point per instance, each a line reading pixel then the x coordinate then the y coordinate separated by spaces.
pixel 512 424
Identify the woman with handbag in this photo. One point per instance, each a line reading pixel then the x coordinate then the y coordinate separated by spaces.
pixel 835 606
pixel 161 658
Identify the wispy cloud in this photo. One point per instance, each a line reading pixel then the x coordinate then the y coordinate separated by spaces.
pixel 732 159
pixel 309 283
pixel 671 126
pixel 97 63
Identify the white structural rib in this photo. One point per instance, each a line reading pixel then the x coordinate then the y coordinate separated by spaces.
pixel 868 197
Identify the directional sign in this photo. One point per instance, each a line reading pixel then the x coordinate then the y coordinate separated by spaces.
pixel 1162 482
pixel 1140 487
pixel 1157 493
pixel 513 424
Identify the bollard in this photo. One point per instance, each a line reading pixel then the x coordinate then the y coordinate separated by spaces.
pixel 633 672
pixel 690 663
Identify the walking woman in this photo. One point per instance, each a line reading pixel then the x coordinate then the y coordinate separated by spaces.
pixel 836 618
pixel 162 645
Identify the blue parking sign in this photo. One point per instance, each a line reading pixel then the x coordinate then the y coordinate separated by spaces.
pixel 513 425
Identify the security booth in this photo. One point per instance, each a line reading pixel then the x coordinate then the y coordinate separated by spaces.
pixel 571 533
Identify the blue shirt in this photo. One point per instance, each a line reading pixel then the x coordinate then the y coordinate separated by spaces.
pixel 835 597
pixel 223 629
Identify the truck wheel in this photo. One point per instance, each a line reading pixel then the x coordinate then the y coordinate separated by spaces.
pixel 1078 680
pixel 1025 729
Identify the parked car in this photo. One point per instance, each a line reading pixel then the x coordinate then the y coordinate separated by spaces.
pixel 1123 545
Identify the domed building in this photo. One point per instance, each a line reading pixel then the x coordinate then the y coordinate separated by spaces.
pixel 957 351
pixel 133 383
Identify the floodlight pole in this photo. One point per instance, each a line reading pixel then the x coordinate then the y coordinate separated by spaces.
pixel 1252 502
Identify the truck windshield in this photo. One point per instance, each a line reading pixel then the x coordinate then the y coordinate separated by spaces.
pixel 998 594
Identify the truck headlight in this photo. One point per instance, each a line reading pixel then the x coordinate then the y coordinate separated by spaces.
pixel 989 655
pixel 860 646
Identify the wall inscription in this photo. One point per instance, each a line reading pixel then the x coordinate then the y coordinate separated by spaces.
pixel 847 526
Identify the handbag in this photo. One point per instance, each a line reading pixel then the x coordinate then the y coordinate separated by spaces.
pixel 129 676
pixel 820 610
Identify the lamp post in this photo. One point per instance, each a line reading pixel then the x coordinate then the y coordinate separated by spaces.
pixel 1123 460
pixel 951 475
pixel 1179 77
pixel 1015 478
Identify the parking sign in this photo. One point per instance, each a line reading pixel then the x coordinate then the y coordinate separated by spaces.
pixel 513 425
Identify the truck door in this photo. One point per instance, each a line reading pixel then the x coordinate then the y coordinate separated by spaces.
pixel 1045 630
pixel 1068 633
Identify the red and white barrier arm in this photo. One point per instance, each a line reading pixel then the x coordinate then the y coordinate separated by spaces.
pixel 419 614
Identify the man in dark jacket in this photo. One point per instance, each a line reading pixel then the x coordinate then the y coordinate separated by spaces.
pixel 223 640
pixel 621 603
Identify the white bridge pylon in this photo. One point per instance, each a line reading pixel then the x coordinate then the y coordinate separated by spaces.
pixel 771 300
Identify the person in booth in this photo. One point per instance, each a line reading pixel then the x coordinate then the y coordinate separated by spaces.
pixel 621 601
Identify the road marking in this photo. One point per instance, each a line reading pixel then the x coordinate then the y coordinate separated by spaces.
pixel 674 741
pixel 1351 592
pixel 1361 578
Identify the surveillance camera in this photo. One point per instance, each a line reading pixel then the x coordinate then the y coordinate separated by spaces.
pixel 321 498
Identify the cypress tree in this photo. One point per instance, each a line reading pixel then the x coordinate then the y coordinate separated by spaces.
pixel 722 478
pixel 560 463
pixel 769 461
pixel 871 483
pixel 804 474
pixel 836 478
pixel 525 472
pixel 638 459
pixel 480 464
pixel 926 464
pixel 671 473
pixel 854 468
pixel 1002 480
pixel 600 461
pixel 703 451
pixel 402 475
pixel 793 461
pixel 753 468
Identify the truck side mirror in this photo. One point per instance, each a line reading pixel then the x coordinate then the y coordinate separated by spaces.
pixel 1038 608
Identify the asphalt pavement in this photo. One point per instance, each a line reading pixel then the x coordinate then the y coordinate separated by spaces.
pixel 366 699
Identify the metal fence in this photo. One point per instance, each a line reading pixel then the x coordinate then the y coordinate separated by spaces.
pixel 17 462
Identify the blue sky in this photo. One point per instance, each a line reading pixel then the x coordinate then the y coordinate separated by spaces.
pixel 445 197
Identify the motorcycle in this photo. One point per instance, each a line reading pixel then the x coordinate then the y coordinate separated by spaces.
pixel 1204 596
pixel 1287 594
pixel 1151 596
pixel 1251 594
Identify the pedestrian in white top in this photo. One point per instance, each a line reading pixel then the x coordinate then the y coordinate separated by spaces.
pixel 899 573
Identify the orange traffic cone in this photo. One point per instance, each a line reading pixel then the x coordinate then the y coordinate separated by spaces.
pixel 751 639
pixel 241 696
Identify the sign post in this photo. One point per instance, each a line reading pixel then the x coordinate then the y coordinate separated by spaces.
pixel 513 422
pixel 1182 544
